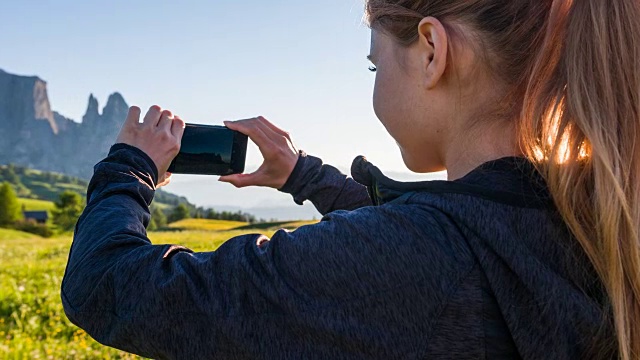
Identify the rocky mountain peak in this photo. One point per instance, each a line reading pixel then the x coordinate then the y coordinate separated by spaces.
pixel 42 107
pixel 92 114
pixel 42 139
pixel 24 98
pixel 116 108
pixel 116 99
pixel 92 107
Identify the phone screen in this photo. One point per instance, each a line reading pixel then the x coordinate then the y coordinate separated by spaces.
pixel 210 150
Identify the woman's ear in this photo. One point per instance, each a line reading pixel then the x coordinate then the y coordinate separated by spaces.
pixel 434 47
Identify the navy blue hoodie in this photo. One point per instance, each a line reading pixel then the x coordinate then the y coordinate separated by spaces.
pixel 481 267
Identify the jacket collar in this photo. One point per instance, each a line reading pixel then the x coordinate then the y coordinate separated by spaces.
pixel 512 180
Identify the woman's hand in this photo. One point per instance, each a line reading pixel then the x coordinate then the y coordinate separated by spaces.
pixel 280 155
pixel 159 136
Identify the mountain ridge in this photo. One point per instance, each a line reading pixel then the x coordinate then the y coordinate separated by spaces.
pixel 39 138
pixel 44 139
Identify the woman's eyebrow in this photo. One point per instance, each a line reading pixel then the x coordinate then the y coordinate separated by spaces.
pixel 370 58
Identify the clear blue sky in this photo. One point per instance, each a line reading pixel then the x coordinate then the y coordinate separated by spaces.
pixel 301 64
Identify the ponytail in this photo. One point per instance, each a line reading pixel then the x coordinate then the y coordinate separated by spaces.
pixel 581 124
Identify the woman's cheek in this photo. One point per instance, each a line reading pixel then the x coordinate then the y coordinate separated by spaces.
pixel 383 103
pixel 377 99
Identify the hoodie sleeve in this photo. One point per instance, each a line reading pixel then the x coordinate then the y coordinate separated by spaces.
pixel 325 186
pixel 165 301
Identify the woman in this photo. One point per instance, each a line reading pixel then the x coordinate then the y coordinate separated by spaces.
pixel 530 250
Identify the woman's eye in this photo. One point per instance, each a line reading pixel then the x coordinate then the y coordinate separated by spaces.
pixel 373 69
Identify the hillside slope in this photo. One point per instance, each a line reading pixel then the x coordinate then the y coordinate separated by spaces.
pixel 43 185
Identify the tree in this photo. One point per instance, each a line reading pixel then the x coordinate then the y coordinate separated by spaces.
pixel 212 214
pixel 33 227
pixel 158 219
pixel 200 213
pixel 179 212
pixel 20 170
pixel 68 209
pixel 152 225
pixel 11 176
pixel 251 219
pixel 10 211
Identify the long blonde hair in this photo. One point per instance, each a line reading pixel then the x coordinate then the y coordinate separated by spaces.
pixel 573 67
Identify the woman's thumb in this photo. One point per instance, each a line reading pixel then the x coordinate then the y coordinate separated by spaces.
pixel 241 180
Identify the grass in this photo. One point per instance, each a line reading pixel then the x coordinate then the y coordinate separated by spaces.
pixel 220 225
pixel 9 234
pixel 289 225
pixel 36 205
pixel 32 321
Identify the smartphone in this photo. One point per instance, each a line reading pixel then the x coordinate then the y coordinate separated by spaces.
pixel 210 150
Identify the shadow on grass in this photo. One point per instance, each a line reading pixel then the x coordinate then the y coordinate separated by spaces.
pixel 171 230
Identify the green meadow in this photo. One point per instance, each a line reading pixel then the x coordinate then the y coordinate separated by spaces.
pixel 32 321
pixel 36 205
